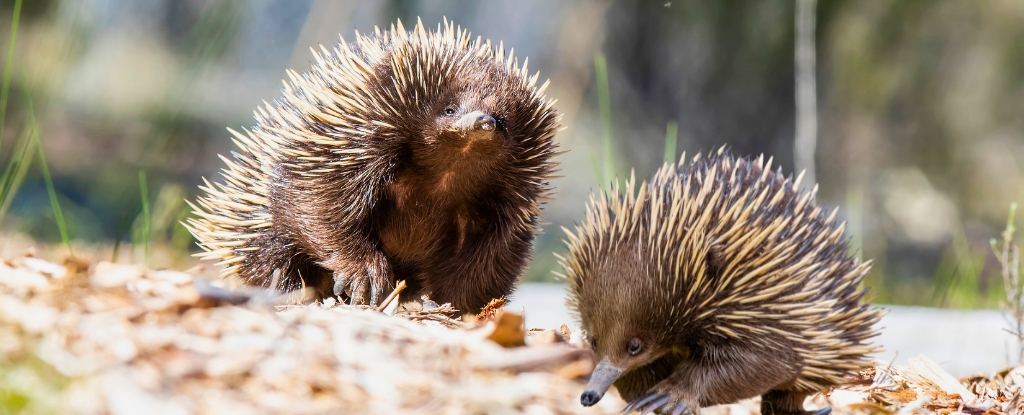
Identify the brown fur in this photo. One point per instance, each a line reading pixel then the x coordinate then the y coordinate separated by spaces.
pixel 359 176
pixel 731 278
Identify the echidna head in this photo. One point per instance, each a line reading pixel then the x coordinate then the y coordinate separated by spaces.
pixel 464 107
pixel 623 290
pixel 467 121
pixel 620 314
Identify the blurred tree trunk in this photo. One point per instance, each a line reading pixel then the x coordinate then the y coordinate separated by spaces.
pixel 806 94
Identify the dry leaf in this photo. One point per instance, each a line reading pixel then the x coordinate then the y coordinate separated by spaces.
pixel 508 330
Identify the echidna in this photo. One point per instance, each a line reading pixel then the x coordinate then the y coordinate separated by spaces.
pixel 716 282
pixel 417 156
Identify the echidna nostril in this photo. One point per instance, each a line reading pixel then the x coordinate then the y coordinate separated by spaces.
pixel 589 398
pixel 485 122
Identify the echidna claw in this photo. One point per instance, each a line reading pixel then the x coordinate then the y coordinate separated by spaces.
pixel 657 403
pixel 359 287
pixel 638 402
pixel 341 285
pixel 353 286
pixel 824 411
pixel 681 408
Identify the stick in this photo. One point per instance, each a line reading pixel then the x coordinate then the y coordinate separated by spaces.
pixel 392 296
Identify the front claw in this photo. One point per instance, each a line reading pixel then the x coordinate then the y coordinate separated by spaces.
pixel 352 286
pixel 661 402
pixel 364 283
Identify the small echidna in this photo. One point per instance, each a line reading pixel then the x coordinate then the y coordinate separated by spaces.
pixel 417 156
pixel 716 282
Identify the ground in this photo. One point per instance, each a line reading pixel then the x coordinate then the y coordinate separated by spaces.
pixel 103 338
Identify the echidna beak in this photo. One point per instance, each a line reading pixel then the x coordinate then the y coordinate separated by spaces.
pixel 475 121
pixel 603 377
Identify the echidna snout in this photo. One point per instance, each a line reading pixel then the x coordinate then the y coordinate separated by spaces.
pixel 476 125
pixel 475 120
pixel 605 374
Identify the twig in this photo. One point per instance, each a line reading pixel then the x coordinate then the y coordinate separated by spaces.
pixel 447 321
pixel 390 297
pixel 1019 336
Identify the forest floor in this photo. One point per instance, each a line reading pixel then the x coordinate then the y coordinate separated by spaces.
pixel 102 338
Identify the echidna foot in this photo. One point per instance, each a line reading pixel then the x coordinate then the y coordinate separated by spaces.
pixel 681 408
pixel 353 286
pixel 364 284
pixel 638 402
pixel 359 289
pixel 661 402
pixel 633 405
pixel 823 411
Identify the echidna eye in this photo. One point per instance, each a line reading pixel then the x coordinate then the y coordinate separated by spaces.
pixel 635 346
pixel 449 111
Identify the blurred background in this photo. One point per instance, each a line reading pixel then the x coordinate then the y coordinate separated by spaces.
pixel 920 133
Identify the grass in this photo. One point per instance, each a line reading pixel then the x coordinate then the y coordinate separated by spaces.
pixel 671 141
pixel 29 385
pixel 123 226
pixel 21 159
pixel 604 102
pixel 1008 254
pixel 17 168
pixel 58 215
pixel 8 68
pixel 961 270
pixel 26 384
pixel 146 225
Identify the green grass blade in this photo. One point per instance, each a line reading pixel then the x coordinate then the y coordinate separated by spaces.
pixel 16 170
pixel 604 102
pixel 671 140
pixel 58 215
pixel 54 203
pixel 123 226
pixel 144 190
pixel 8 67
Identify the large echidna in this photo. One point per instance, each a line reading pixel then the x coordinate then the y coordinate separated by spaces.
pixel 417 156
pixel 715 282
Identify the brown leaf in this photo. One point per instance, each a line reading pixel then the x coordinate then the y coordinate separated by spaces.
pixel 492 309
pixel 508 330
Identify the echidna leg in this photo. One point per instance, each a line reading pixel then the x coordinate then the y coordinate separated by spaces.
pixel 736 370
pixel 777 402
